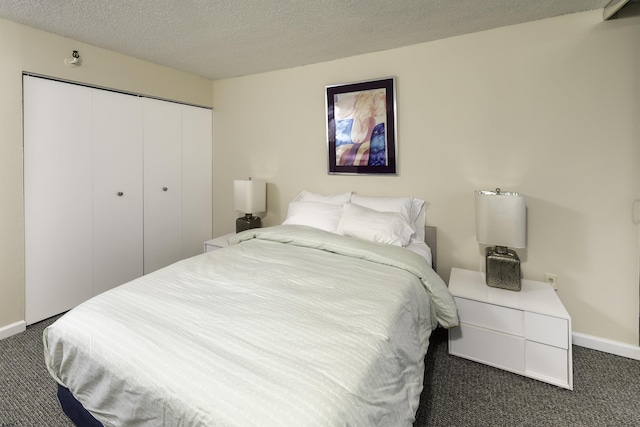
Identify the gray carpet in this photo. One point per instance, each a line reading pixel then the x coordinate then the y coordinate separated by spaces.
pixel 27 392
pixel 457 392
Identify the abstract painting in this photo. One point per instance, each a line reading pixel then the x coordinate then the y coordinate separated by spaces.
pixel 361 127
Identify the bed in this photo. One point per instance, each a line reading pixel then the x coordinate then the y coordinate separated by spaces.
pixel 290 325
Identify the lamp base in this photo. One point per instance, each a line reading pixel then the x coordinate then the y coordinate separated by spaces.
pixel 503 269
pixel 247 222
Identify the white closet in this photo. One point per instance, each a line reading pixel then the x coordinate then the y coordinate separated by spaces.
pixel 162 184
pixel 116 186
pixel 58 197
pixel 117 189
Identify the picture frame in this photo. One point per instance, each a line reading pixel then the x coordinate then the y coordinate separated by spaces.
pixel 361 127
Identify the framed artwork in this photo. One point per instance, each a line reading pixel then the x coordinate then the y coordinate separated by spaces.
pixel 361 127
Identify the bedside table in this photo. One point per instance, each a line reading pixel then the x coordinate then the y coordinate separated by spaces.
pixel 526 332
pixel 217 243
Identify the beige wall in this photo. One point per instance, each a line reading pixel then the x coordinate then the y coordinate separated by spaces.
pixel 26 49
pixel 548 108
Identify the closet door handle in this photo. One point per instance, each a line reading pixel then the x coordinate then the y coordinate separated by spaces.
pixel 164 188
pixel 120 193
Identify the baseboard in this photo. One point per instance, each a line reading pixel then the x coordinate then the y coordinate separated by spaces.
pixel 608 346
pixel 583 340
pixel 12 329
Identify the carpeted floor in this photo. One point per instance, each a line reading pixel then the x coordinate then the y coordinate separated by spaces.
pixel 27 392
pixel 457 392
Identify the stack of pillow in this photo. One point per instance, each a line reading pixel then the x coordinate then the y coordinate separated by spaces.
pixel 394 220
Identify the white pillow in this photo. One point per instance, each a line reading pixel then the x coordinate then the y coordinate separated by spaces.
pixel 336 199
pixel 369 224
pixel 411 208
pixel 417 218
pixel 401 205
pixel 324 216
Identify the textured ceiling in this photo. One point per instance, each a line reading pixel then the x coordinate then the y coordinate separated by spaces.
pixel 220 39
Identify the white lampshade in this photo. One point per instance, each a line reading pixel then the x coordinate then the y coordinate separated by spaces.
pixel 250 196
pixel 501 219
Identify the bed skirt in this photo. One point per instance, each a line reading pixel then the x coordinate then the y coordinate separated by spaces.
pixel 74 409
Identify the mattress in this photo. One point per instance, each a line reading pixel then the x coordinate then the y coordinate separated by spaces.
pixel 287 326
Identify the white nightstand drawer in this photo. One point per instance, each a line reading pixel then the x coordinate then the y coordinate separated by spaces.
pixel 546 329
pixel 526 332
pixel 546 363
pixel 503 351
pixel 494 317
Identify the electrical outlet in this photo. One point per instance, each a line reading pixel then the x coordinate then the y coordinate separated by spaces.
pixel 551 279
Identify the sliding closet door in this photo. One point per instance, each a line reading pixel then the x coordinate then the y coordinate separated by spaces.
pixel 57 180
pixel 117 189
pixel 162 184
pixel 116 186
pixel 196 179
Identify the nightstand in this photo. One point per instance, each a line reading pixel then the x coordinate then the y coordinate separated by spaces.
pixel 217 243
pixel 526 332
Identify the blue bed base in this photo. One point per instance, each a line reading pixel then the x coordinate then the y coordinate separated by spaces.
pixel 74 409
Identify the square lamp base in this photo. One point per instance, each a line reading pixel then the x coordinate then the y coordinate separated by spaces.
pixel 503 269
pixel 247 222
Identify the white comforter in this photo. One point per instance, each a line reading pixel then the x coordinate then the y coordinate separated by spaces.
pixel 289 327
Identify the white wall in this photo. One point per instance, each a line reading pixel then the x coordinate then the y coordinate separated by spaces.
pixel 548 108
pixel 25 49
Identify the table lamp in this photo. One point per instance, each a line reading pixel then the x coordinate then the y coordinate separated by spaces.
pixel 501 219
pixel 249 197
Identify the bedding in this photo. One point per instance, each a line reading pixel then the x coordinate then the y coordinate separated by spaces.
pixel 423 250
pixel 289 325
pixel 409 207
pixel 324 216
pixel 369 224
pixel 336 198
pixel 332 213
